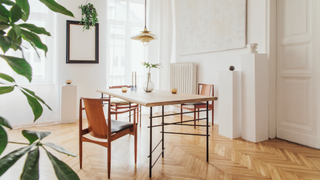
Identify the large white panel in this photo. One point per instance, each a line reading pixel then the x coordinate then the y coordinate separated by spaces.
pixel 295 101
pixel 295 17
pixel 296 57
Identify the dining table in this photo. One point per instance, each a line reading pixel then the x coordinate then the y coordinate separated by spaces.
pixel 164 98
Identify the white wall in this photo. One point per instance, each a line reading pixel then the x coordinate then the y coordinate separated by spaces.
pixel 210 64
pixel 87 77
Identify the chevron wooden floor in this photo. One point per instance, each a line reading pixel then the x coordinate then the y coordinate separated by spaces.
pixel 184 156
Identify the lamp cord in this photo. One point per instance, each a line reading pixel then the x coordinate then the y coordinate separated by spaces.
pixel 145 14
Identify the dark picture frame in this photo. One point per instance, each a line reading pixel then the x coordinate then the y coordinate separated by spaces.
pixel 82 45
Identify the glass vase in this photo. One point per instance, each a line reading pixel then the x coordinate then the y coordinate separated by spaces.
pixel 148 86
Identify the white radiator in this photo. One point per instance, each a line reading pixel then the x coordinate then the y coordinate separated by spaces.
pixel 183 76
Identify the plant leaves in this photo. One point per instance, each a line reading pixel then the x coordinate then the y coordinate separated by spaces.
pixel 55 7
pixel 4 122
pixel 31 166
pixel 32 136
pixel 59 149
pixel 5 43
pixel 16 13
pixel 4 11
pixel 62 170
pixel 35 39
pixel 17 30
pixel 7 161
pixel 7 2
pixel 35 29
pixel 24 5
pixel 35 106
pixel 19 65
pixel 7 77
pixel 4 25
pixel 3 139
pixel 35 96
pixel 6 89
pixel 4 19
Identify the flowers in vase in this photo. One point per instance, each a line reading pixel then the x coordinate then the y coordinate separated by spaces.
pixel 149 65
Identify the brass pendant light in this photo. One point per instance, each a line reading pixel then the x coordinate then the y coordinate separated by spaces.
pixel 145 36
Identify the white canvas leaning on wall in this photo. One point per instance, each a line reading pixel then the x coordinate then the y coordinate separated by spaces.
pixel 211 25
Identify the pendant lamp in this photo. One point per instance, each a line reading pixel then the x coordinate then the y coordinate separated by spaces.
pixel 145 36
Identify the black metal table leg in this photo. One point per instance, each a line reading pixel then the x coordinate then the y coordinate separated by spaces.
pixel 140 115
pixel 162 131
pixel 129 112
pixel 150 156
pixel 207 131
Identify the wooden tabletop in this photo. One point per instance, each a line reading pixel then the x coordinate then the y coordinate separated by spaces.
pixel 156 97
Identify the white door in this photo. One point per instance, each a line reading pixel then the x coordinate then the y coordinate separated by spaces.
pixel 298 71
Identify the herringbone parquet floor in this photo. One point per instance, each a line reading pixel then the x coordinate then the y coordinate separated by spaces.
pixel 184 156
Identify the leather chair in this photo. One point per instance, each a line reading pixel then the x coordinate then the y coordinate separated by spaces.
pixel 100 127
pixel 203 89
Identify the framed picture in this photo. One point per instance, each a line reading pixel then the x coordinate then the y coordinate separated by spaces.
pixel 82 45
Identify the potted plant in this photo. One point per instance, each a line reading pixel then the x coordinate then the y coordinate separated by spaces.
pixel 89 16
pixel 12 32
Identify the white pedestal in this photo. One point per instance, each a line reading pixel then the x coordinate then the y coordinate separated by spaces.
pixel 255 97
pixel 68 104
pixel 229 104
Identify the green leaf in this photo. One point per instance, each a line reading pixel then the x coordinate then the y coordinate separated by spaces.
pixel 3 139
pixel 4 25
pixel 35 29
pixel 35 39
pixel 16 40
pixel 4 122
pixel 31 166
pixel 4 11
pixel 7 161
pixel 35 106
pixel 5 43
pixel 6 89
pixel 7 2
pixel 62 170
pixel 7 77
pixel 55 7
pixel 59 149
pixel 32 136
pixel 16 13
pixel 24 5
pixel 19 65
pixel 35 96
pixel 4 19
pixel 17 30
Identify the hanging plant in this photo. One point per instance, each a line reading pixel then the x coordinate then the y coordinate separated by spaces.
pixel 89 16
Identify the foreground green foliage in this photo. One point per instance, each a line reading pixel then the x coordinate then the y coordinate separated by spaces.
pixel 11 36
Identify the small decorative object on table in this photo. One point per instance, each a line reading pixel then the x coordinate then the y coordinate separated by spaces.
pixel 174 90
pixel 124 89
pixel 69 81
pixel 148 86
pixel 253 47
pixel 231 68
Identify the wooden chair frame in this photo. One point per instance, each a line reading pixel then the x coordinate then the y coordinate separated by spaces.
pixel 105 135
pixel 117 106
pixel 198 107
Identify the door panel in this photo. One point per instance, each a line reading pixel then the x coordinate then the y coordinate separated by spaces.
pixel 297 66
